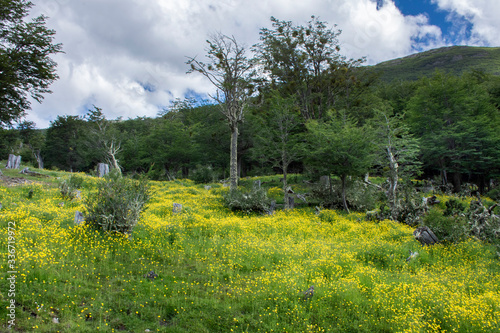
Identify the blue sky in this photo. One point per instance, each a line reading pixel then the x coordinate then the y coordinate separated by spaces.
pixel 453 27
pixel 128 57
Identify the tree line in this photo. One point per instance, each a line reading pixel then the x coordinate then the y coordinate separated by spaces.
pixel 291 103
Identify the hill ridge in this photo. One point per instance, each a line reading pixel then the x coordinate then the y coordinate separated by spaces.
pixel 453 59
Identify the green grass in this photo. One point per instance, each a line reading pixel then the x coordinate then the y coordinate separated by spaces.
pixel 220 271
pixel 455 60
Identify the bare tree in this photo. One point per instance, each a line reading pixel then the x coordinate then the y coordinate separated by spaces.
pixel 230 72
pixel 104 138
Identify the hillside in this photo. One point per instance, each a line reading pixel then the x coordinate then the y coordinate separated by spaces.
pixel 454 59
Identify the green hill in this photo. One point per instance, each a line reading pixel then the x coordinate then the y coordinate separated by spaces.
pixel 454 59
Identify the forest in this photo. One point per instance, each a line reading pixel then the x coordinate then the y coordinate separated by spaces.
pixel 305 109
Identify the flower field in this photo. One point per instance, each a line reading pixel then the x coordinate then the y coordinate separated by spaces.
pixel 220 271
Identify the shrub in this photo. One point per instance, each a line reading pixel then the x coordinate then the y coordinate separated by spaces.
pixel 408 208
pixel 70 186
pixel 446 227
pixel 255 200
pixel 494 194
pixel 203 175
pixel 454 207
pixel 360 197
pixel 117 204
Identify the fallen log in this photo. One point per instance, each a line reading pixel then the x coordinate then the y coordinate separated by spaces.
pixel 27 171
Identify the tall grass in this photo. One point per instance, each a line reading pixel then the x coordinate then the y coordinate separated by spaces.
pixel 220 271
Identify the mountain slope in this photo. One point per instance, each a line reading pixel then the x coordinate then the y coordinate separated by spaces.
pixel 454 59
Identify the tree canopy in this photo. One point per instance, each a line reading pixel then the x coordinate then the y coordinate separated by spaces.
pixel 26 69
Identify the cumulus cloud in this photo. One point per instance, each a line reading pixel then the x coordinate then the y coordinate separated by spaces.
pixel 476 22
pixel 128 56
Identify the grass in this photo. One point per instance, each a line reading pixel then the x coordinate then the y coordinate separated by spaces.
pixel 455 60
pixel 220 271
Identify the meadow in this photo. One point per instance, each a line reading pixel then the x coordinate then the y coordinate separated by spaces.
pixel 221 271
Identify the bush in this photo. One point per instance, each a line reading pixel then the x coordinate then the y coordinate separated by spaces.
pixel 454 207
pixel 360 197
pixel 255 200
pixel 117 204
pixel 70 186
pixel 494 194
pixel 203 175
pixel 446 227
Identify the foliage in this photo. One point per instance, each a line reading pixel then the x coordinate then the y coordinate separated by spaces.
pixel 446 227
pixel 408 208
pixel 26 68
pixel 70 186
pixel 454 207
pixel 117 204
pixel 359 196
pixel 203 174
pixel 63 146
pixel 458 130
pixel 342 148
pixel 304 61
pixel 247 201
pixel 278 137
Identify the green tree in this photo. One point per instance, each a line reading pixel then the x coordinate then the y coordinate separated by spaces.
pixel 398 151
pixel 103 138
pixel 305 62
pixel 170 146
pixel 63 145
pixel 26 68
pixel 340 147
pixel 458 127
pixel 229 70
pixel 278 137
pixel 33 139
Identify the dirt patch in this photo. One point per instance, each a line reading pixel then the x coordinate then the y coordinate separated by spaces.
pixel 14 181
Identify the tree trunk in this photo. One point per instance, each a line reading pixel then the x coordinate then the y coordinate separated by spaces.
pixel 344 200
pixel 393 177
pixel 285 189
pixel 233 165
pixel 457 181
pixel 39 159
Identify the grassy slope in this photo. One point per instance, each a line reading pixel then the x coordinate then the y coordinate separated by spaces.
pixel 222 272
pixel 455 59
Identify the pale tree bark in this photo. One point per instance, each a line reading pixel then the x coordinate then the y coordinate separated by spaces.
pixel 112 149
pixel 230 72
pixel 233 165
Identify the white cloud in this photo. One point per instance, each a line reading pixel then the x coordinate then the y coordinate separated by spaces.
pixel 482 14
pixel 114 49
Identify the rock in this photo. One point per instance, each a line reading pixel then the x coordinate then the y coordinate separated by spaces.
pixel 151 275
pixel 207 187
pixel 257 184
pixel 308 294
pixel 425 236
pixel 177 208
pixel 272 207
pixel 412 255
pixel 79 218
pixel 102 169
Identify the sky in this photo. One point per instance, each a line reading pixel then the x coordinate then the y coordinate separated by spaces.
pixel 128 57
